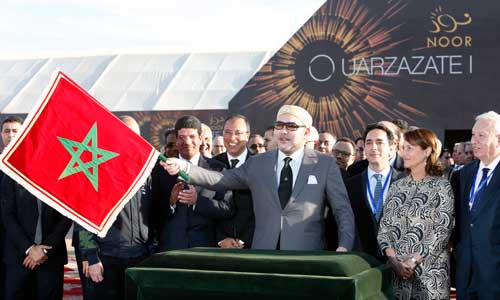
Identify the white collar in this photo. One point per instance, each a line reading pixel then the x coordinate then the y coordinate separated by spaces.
pixel 491 166
pixel 384 172
pixel 297 156
pixel 241 158
pixel 194 160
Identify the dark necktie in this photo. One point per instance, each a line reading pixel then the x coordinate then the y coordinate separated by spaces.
pixel 234 162
pixel 482 184
pixel 286 183
pixel 377 194
pixel 38 230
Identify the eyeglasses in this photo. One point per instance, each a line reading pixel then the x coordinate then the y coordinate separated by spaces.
pixel 228 132
pixel 256 146
pixel 290 126
pixel 341 153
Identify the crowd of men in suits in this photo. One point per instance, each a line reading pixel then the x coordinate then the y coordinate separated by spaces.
pixel 293 188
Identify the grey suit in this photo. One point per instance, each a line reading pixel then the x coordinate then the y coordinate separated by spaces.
pixel 300 225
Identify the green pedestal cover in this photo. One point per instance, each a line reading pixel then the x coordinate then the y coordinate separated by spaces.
pixel 207 273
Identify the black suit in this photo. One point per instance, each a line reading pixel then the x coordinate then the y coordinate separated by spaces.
pixel 478 237
pixel 242 224
pixel 361 165
pixel 366 224
pixel 194 226
pixel 20 212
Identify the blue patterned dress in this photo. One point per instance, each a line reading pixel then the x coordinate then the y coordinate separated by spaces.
pixel 418 218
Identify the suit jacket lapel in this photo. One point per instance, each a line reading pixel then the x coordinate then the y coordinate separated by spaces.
pixel 490 190
pixel 308 164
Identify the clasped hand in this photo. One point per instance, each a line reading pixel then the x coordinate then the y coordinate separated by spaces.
pixel 36 256
pixel 402 269
pixel 187 196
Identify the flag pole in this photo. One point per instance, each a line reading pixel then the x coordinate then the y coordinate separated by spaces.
pixel 182 176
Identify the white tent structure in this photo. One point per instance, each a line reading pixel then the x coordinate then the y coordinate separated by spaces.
pixel 135 82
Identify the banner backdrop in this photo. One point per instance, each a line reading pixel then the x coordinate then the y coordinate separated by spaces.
pixel 355 62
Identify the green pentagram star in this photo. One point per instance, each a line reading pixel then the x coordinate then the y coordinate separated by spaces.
pixel 76 165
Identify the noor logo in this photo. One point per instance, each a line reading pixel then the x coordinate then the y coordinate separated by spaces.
pixel 445 24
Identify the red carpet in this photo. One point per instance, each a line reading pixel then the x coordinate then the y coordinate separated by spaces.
pixel 72 286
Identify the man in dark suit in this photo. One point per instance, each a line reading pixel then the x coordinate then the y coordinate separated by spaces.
pixel 236 232
pixel 35 251
pixel 192 210
pixel 10 127
pixel 395 159
pixel 477 215
pixel 368 190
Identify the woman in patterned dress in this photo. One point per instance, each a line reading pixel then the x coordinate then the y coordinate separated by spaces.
pixel 417 222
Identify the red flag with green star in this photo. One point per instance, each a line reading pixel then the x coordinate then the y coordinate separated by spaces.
pixel 76 156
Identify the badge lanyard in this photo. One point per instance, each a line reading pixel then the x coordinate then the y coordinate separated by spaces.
pixel 377 206
pixel 473 192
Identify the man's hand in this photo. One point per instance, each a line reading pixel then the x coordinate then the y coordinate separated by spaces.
pixel 31 264
pixel 174 194
pixel 36 256
pixel 85 268
pixel 174 165
pixel 341 249
pixel 189 196
pixel 230 243
pixel 96 272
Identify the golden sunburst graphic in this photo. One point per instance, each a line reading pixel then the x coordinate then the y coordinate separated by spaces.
pixel 315 69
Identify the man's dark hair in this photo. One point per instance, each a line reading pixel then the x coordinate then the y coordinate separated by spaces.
pixel 402 124
pixel 359 139
pixel 346 140
pixel 324 131
pixel 390 134
pixel 188 122
pixel 12 119
pixel 167 133
pixel 238 116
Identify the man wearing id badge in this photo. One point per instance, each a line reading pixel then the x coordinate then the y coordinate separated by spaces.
pixel 478 215
pixel 367 191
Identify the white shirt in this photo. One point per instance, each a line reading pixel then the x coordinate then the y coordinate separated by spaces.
pixel 479 174
pixel 373 182
pixel 194 160
pixel 241 158
pixel 295 164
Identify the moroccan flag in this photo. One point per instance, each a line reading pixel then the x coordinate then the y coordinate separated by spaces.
pixel 76 156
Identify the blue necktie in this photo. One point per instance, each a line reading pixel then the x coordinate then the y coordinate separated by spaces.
pixel 377 194
pixel 482 184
